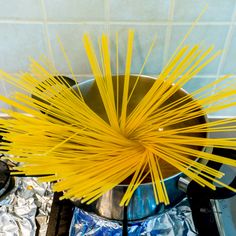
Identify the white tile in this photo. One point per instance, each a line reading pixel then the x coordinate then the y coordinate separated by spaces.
pixel 18 42
pixel 75 10
pixel 71 37
pixel 229 65
pixel 207 35
pixel 187 10
pixel 139 10
pixel 143 38
pixel 21 9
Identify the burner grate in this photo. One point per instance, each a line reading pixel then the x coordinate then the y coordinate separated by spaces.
pixel 60 216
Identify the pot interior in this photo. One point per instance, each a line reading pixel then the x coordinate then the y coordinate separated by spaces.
pixel 92 97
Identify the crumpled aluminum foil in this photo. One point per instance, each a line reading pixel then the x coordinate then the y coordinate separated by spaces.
pixel 175 222
pixel 28 204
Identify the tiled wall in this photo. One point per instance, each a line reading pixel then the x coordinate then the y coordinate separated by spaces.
pixel 29 27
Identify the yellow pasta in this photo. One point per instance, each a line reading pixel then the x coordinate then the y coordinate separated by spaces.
pixel 86 154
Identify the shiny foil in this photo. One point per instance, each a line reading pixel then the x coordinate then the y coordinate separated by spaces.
pixel 25 209
pixel 175 222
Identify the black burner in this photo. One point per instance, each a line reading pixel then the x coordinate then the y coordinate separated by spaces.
pixel 5 178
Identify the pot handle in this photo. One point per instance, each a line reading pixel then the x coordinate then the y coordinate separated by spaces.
pixel 63 80
pixel 194 189
pixel 60 78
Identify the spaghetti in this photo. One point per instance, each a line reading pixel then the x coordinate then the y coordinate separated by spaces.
pixel 89 151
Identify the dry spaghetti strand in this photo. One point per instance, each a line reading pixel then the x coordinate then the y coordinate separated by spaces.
pixel 59 134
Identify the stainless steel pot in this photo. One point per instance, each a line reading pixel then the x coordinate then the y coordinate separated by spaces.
pixel 143 203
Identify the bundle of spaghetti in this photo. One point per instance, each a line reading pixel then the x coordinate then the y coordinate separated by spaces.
pixel 57 133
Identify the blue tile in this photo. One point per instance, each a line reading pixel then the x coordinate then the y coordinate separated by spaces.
pixel 18 42
pixel 200 82
pixel 229 65
pixel 71 37
pixel 231 111
pixel 206 35
pixel 75 10
pixel 188 11
pixel 142 42
pixel 196 83
pixel 23 10
pixel 139 10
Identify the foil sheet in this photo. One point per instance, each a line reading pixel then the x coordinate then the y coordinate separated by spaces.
pixel 175 222
pixel 24 211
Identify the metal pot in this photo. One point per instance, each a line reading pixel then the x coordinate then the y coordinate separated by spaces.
pixel 143 203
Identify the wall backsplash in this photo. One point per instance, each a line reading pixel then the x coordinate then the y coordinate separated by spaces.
pixel 28 26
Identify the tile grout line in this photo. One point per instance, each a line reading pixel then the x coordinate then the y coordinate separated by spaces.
pixel 46 33
pixel 140 23
pixel 197 76
pixel 168 33
pixel 161 23
pixel 164 23
pixel 90 75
